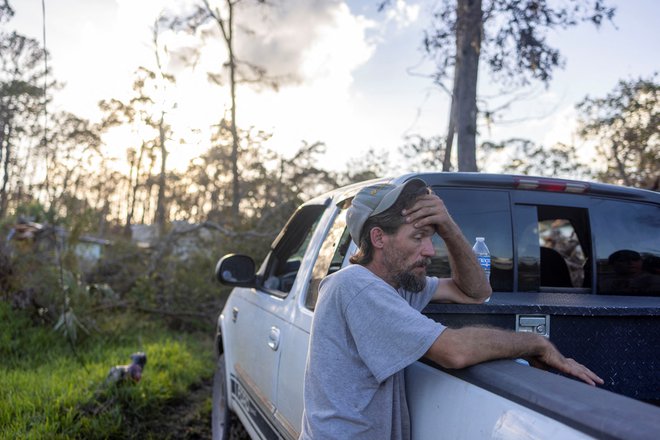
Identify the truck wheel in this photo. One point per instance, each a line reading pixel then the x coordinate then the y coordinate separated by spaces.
pixel 221 417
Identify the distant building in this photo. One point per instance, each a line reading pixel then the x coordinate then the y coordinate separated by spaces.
pixel 48 239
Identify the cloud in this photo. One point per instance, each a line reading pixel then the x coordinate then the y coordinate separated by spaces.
pixel 322 44
pixel 403 14
pixel 293 41
pixel 303 39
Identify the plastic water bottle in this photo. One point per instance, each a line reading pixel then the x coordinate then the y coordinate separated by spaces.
pixel 483 255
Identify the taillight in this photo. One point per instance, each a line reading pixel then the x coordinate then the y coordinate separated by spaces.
pixel 550 185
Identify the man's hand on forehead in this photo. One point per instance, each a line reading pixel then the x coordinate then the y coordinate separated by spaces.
pixel 428 209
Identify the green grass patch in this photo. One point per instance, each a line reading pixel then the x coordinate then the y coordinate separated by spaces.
pixel 48 391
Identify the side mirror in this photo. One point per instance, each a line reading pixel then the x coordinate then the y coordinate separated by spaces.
pixel 236 270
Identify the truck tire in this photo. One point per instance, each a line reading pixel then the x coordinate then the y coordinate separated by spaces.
pixel 221 416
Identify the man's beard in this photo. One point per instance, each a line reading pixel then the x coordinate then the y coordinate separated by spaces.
pixel 405 278
pixel 411 282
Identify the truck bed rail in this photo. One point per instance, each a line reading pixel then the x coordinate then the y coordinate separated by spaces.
pixel 595 412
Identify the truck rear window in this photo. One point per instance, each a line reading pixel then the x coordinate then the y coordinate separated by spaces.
pixel 627 247
pixel 479 213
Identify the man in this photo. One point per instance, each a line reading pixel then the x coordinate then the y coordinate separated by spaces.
pixel 368 327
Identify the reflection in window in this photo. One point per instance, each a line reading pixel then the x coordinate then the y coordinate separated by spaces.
pixel 628 248
pixel 331 257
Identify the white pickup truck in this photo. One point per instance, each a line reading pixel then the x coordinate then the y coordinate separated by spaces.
pixel 578 262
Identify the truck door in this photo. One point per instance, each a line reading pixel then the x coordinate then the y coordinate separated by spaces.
pixel 331 256
pixel 260 321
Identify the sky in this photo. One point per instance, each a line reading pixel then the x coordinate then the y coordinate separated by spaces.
pixel 356 78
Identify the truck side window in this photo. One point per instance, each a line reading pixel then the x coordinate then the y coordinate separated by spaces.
pixel 288 249
pixel 331 257
pixel 553 248
pixel 479 213
pixel 558 237
pixel 628 247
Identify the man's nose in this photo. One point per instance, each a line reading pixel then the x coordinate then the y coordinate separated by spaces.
pixel 428 250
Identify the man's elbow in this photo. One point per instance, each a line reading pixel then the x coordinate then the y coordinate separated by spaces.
pixel 481 295
pixel 485 293
pixel 453 361
pixel 478 290
pixel 482 292
pixel 446 351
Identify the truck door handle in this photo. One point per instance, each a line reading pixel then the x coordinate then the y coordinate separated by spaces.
pixel 274 338
pixel 539 324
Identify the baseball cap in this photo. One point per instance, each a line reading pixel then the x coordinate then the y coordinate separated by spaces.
pixel 373 200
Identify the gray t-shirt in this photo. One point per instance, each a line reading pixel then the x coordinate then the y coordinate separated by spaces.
pixel 364 334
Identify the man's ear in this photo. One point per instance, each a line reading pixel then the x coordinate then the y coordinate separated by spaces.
pixel 377 237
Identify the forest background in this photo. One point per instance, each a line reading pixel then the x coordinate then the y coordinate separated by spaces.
pixel 103 217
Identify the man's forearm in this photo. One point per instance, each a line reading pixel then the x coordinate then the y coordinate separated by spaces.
pixel 459 348
pixel 466 271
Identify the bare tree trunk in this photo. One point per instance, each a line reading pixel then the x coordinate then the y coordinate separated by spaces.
pixel 227 28
pixel 2 149
pixel 58 199
pixel 133 191
pixel 160 203
pixel 468 48
pixel 160 216
pixel 129 213
pixel 5 178
pixel 236 196
pixel 4 126
pixel 451 129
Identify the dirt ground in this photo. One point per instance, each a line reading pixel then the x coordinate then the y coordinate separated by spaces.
pixel 190 417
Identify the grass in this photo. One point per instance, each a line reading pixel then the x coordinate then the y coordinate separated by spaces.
pixel 48 391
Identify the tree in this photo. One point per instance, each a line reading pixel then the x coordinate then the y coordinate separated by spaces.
pixel 235 71
pixel 625 125
pixel 208 182
pixel 74 152
pixel 510 35
pixel 163 81
pixel 298 178
pixel 145 113
pixel 21 98
pixel 424 153
pixel 522 156
pixel 371 165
